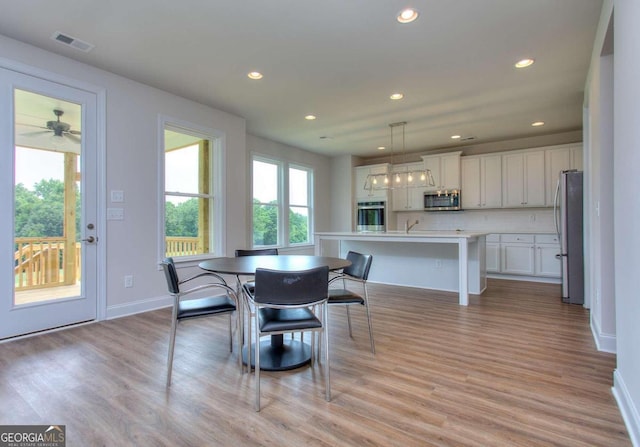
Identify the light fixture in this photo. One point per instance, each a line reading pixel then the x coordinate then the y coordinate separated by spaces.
pixel 255 75
pixel 537 123
pixel 399 178
pixel 523 63
pixel 396 96
pixel 407 15
pixel 456 137
pixel 310 117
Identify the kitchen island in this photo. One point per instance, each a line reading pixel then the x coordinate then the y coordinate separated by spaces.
pixel 440 260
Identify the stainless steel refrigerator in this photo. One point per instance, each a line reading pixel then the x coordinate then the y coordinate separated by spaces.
pixel 568 220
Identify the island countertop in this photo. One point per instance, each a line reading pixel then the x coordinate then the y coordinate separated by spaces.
pixel 447 260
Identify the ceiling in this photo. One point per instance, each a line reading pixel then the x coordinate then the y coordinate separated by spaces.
pixel 341 61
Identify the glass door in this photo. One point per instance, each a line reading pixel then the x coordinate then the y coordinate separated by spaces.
pixel 51 151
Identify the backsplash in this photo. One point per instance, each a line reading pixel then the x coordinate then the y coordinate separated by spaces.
pixel 530 220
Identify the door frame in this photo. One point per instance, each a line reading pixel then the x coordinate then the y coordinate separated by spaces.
pixel 100 160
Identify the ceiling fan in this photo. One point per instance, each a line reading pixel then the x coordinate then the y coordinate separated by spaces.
pixel 60 128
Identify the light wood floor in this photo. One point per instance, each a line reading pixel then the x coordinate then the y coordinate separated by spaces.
pixel 515 368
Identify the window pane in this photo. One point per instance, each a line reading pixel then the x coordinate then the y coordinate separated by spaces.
pixel 181 170
pixel 182 220
pixel 265 182
pixel 265 224
pixel 298 225
pixel 298 194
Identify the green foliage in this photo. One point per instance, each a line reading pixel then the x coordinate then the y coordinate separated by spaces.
pixel 265 225
pixel 298 228
pixel 181 220
pixel 40 213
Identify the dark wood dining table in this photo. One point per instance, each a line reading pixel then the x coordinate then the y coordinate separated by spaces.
pixel 276 354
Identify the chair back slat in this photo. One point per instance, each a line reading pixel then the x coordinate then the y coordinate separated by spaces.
pixel 257 252
pixel 291 288
pixel 360 265
pixel 170 273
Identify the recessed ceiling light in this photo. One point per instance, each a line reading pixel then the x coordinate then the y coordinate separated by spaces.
pixel 255 75
pixel 310 117
pixel 381 148
pixel 456 137
pixel 537 123
pixel 395 96
pixel 407 15
pixel 524 63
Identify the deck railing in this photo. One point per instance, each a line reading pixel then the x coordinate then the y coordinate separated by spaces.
pixel 39 262
pixel 182 246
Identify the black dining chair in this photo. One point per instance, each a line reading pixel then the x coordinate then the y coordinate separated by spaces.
pixel 225 301
pixel 357 272
pixel 246 289
pixel 284 303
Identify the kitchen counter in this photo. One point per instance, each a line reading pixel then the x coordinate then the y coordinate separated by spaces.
pixel 447 260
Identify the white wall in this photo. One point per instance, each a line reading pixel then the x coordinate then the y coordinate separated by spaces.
pixel 627 210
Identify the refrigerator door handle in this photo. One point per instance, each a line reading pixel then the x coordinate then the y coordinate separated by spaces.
pixel 556 208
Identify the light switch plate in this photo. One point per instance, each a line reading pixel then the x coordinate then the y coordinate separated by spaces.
pixel 115 213
pixel 117 196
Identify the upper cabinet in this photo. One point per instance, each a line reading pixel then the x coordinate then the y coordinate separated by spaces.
pixel 409 198
pixel 557 159
pixel 481 181
pixel 523 182
pixel 362 187
pixel 445 169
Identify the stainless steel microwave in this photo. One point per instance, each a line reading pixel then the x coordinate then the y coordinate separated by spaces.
pixel 442 201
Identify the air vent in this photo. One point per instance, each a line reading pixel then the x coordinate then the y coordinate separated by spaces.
pixel 72 42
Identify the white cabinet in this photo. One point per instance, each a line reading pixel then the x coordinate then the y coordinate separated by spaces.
pixel 362 191
pixel 523 255
pixel 493 253
pixel 547 246
pixel 481 183
pixel 445 169
pixel 557 159
pixel 412 198
pixel 517 254
pixel 523 182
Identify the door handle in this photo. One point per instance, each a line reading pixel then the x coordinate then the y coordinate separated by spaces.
pixel 89 240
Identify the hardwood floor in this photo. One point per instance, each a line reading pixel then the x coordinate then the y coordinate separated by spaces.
pixel 514 368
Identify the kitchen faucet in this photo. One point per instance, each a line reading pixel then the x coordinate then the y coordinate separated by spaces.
pixel 408 227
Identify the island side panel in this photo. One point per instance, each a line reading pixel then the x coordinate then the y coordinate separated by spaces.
pixel 412 264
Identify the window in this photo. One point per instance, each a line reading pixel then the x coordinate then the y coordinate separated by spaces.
pixel 189 195
pixel 282 205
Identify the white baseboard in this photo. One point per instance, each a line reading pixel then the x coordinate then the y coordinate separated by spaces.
pixel 604 342
pixel 627 408
pixel 136 307
pixel 524 278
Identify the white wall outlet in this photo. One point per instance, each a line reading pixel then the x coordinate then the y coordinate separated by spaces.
pixel 128 281
pixel 532 218
pixel 438 263
pixel 117 196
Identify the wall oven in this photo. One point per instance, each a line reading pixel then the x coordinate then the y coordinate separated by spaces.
pixel 371 216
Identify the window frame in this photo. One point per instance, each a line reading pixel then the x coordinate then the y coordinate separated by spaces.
pixel 283 199
pixel 216 195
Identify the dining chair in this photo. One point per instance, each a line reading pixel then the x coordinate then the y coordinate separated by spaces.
pixel 287 302
pixel 224 301
pixel 357 272
pixel 246 289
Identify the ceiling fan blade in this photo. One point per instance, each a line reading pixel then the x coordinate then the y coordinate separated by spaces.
pixel 36 133
pixel 73 137
pixel 32 125
pixel 75 132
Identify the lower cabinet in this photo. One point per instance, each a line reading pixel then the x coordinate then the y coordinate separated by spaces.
pixel 531 255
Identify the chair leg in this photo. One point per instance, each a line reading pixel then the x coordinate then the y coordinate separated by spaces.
pixel 366 307
pixel 172 342
pixel 257 367
pixel 349 321
pixel 325 333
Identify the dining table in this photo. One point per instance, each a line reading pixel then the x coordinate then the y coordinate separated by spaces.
pixel 276 354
